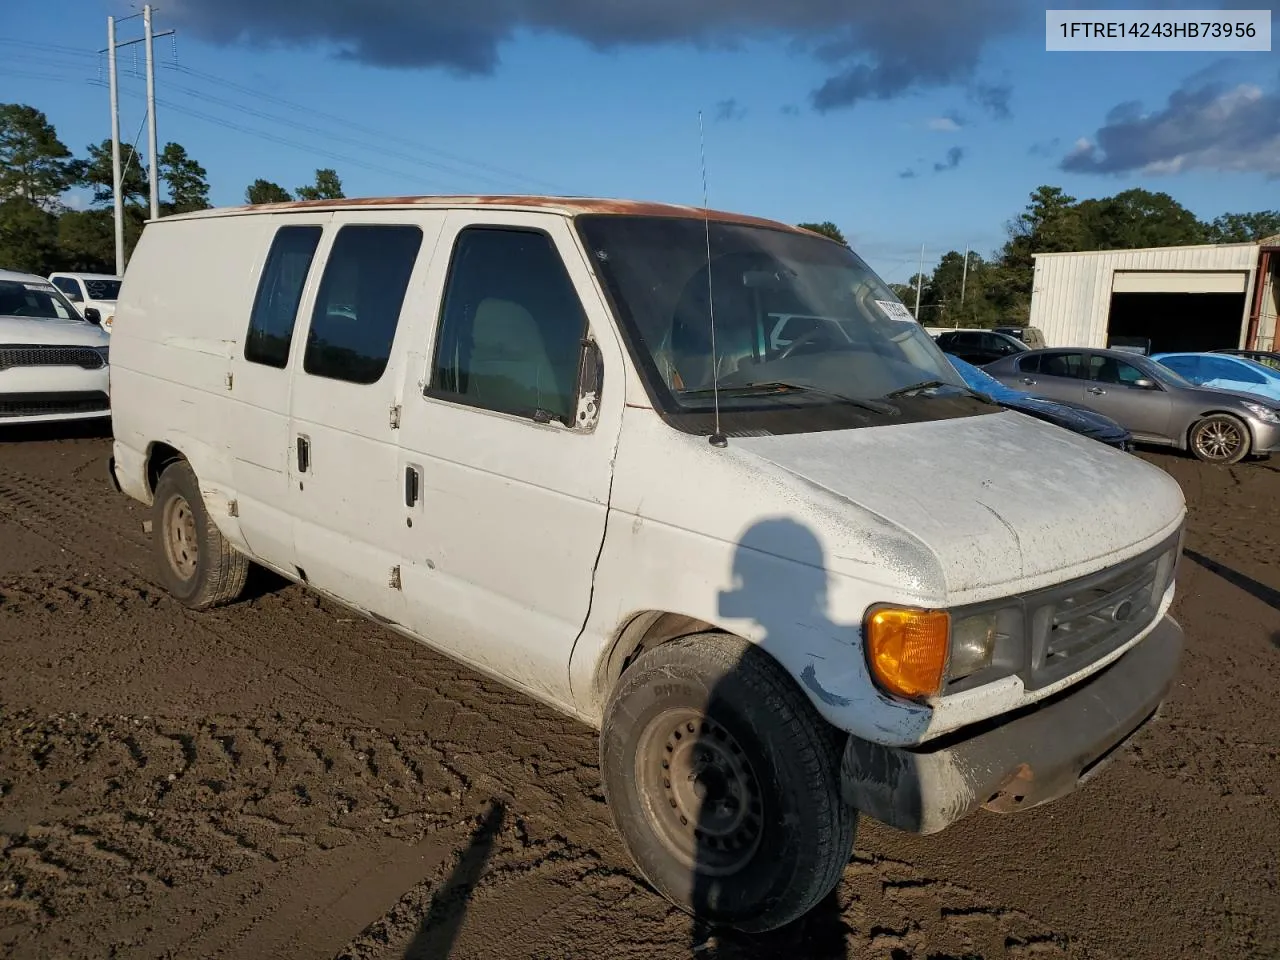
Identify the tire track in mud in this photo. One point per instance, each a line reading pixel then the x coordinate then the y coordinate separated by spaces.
pixel 228 824
pixel 118 809
pixel 558 899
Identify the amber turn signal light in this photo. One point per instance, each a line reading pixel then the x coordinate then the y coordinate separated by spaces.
pixel 907 650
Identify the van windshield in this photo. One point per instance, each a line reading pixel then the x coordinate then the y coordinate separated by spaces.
pixel 800 323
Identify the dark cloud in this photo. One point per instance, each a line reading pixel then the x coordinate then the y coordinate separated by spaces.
pixel 791 110
pixel 907 174
pixel 730 109
pixel 993 98
pixel 874 49
pixel 954 156
pixel 1045 148
pixel 1206 125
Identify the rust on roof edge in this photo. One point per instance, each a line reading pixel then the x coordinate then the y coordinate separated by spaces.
pixel 571 206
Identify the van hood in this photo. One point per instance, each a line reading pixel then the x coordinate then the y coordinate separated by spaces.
pixel 68 333
pixel 1004 501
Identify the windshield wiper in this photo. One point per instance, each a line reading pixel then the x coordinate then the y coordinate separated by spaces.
pixel 930 385
pixel 875 406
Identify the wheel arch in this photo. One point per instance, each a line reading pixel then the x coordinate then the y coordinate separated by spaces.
pixel 642 631
pixel 160 456
pixel 1217 412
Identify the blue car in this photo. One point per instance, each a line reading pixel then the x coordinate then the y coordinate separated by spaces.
pixel 1221 372
pixel 1070 416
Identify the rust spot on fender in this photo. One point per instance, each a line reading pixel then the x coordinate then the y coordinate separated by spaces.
pixel 567 206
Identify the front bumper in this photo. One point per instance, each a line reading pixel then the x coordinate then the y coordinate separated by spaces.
pixel 1266 436
pixel 53 394
pixel 1018 762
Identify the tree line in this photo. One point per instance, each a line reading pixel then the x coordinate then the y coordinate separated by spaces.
pixel 40 234
pixel 997 290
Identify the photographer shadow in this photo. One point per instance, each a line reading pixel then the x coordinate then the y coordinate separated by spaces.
pixel 781 585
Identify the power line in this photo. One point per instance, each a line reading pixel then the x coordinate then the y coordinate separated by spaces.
pixel 319 131
pixel 349 124
pixel 273 138
pixel 493 173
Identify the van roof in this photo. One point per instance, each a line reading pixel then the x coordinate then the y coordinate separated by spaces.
pixel 566 206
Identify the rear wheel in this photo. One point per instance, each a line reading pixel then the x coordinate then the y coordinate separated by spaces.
pixel 197 564
pixel 724 782
pixel 1221 439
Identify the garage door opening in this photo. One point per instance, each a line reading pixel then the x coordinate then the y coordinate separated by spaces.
pixel 1177 321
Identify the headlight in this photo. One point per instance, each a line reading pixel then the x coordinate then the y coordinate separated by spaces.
pixel 916 653
pixel 111 319
pixel 983 640
pixel 1263 412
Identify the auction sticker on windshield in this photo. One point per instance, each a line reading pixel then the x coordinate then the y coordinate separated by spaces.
pixel 895 311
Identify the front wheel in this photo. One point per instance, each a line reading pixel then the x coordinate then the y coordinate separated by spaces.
pixel 1220 439
pixel 724 783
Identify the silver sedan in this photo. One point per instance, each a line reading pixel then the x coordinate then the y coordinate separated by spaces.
pixel 1156 404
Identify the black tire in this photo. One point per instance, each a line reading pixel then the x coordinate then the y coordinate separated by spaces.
pixel 197 565
pixel 1221 439
pixel 767 758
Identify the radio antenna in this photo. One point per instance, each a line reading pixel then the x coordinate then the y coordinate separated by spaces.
pixel 717 438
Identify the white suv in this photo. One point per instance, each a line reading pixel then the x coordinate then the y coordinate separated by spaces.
pixel 91 292
pixel 556 440
pixel 53 363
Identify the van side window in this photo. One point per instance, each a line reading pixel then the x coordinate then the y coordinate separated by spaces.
pixel 275 307
pixel 358 305
pixel 511 326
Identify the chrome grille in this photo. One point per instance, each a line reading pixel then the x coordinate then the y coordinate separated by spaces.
pixel 21 355
pixel 1082 621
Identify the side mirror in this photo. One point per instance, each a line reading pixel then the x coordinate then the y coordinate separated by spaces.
pixel 1145 384
pixel 590 382
pixel 93 315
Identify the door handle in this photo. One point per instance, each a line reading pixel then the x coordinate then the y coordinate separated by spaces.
pixel 1097 391
pixel 1028 381
pixel 304 454
pixel 411 486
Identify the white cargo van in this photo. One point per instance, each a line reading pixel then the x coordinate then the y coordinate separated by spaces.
pixel 556 439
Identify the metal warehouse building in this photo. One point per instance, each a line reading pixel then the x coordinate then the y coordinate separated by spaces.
pixel 1179 298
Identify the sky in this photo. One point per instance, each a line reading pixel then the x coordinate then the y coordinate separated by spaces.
pixel 905 122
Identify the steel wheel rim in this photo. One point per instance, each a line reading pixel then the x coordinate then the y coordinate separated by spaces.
pixel 181 544
pixel 1218 440
pixel 699 792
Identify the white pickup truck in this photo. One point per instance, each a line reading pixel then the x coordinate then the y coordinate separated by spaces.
pixel 791 578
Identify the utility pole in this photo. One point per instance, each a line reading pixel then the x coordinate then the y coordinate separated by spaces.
pixel 154 173
pixel 919 282
pixel 965 275
pixel 152 148
pixel 117 200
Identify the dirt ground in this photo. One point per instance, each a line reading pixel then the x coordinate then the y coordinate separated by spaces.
pixel 282 779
